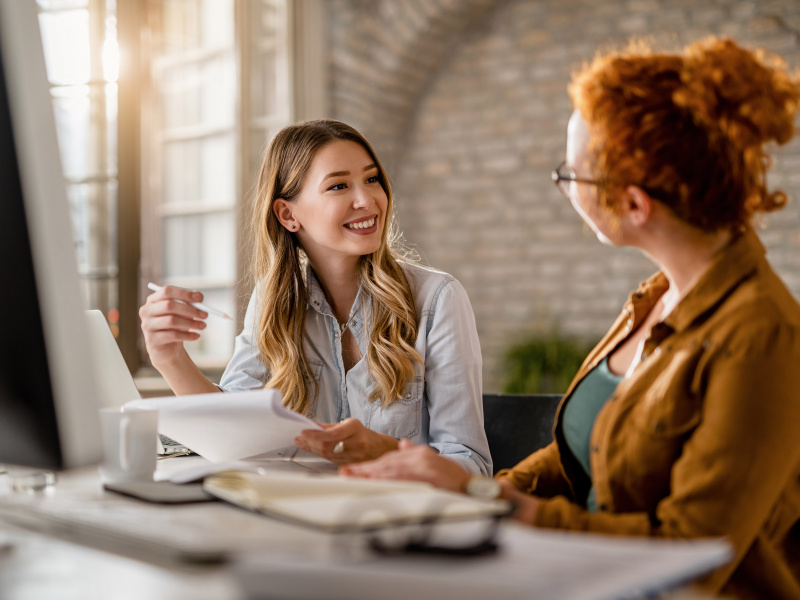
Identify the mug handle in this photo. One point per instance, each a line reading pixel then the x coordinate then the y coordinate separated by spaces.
pixel 124 442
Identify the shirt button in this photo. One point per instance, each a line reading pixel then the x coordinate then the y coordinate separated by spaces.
pixel 408 395
pixel 644 356
pixel 336 334
pixel 595 449
pixel 603 507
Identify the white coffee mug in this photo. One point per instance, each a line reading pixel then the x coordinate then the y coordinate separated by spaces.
pixel 129 444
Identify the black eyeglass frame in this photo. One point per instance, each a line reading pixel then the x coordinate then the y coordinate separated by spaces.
pixel 557 176
pixel 418 543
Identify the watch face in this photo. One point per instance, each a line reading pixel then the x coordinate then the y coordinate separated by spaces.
pixel 483 487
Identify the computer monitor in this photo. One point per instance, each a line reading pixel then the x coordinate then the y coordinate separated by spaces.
pixel 48 405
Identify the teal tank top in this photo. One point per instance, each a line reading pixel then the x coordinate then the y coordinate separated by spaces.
pixel 587 399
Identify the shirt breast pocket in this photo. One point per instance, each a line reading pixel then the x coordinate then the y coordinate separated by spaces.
pixel 663 417
pixel 669 408
pixel 312 383
pixel 402 418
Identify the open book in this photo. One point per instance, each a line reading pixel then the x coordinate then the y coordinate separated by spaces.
pixel 228 426
pixel 335 503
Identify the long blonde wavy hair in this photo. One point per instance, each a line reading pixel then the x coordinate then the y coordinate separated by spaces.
pixel 278 271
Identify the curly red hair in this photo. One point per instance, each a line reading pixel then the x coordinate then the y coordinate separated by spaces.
pixel 689 128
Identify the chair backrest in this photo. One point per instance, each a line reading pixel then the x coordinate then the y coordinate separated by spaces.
pixel 517 425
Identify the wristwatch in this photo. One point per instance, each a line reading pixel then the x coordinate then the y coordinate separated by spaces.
pixel 483 487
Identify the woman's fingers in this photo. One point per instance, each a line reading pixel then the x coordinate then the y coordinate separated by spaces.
pixel 341 443
pixel 162 338
pixel 174 322
pixel 403 464
pixel 525 505
pixel 182 294
pixel 159 304
pixel 339 451
pixel 333 433
pixel 413 462
pixel 168 320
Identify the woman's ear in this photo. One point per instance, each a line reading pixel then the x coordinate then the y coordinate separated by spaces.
pixel 283 211
pixel 637 206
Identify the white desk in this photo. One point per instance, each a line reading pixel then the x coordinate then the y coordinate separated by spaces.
pixel 136 550
pixel 40 567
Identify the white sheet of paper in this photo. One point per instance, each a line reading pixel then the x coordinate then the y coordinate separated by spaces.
pixel 228 426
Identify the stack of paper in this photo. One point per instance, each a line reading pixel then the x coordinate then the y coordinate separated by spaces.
pixel 228 426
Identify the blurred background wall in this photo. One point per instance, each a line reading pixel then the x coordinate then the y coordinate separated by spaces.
pixel 164 109
pixel 466 102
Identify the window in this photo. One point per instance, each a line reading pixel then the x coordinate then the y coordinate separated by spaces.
pixel 190 156
pixel 79 38
pixel 203 85
pixel 219 88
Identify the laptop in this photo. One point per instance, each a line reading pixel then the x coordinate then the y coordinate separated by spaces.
pixel 115 385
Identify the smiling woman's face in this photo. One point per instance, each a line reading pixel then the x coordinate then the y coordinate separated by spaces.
pixel 584 196
pixel 341 208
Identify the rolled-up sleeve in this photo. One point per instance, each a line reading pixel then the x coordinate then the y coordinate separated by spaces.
pixel 453 380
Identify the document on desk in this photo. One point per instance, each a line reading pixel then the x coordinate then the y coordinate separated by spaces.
pixel 333 503
pixel 228 426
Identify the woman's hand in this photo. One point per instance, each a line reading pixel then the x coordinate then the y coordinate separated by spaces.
pixel 423 463
pixel 345 442
pixel 418 463
pixel 168 320
pixel 525 504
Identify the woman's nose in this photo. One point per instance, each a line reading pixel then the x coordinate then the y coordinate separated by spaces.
pixel 362 198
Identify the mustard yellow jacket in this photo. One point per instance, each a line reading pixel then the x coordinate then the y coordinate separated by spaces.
pixel 703 439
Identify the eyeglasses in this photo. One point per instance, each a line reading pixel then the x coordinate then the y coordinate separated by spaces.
pixel 440 531
pixel 433 535
pixel 562 177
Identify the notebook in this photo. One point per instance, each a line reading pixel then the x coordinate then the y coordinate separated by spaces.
pixel 338 504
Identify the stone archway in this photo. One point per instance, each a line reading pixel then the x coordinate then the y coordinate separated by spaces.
pixel 386 53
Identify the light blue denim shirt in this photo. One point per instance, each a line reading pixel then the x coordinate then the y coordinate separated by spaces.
pixel 441 407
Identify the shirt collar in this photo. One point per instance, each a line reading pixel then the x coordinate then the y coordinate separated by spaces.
pixel 734 263
pixel 317 300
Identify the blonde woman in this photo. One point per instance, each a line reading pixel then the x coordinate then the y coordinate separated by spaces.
pixel 353 335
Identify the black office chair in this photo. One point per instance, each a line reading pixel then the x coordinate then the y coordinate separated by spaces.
pixel 517 425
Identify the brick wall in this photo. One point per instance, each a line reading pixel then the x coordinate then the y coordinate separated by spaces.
pixel 467 102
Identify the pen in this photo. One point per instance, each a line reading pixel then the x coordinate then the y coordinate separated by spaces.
pixel 200 305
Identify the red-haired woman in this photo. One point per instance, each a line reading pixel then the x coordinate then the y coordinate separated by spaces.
pixel 683 421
